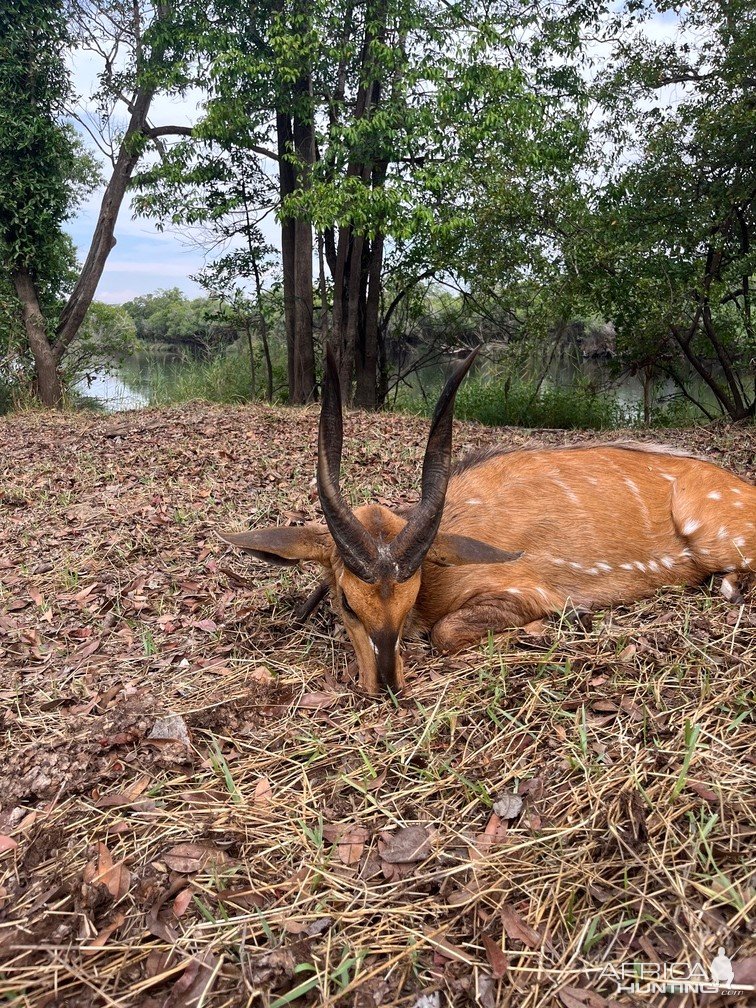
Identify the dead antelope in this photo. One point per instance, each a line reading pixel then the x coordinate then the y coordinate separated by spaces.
pixel 510 537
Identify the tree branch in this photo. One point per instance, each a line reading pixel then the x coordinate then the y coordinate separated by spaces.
pixel 153 132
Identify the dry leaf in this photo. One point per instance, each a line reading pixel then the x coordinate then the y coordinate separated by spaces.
pixel 172 728
pixel 188 857
pixel 263 793
pixel 351 845
pixel 407 844
pixel 182 901
pixel 103 935
pixel 497 958
pixel 7 843
pixel 702 791
pixel 317 700
pixel 517 929
pixel 194 982
pixel 448 949
pixel 495 832
pixel 507 805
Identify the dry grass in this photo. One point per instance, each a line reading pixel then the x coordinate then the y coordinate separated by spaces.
pixel 628 740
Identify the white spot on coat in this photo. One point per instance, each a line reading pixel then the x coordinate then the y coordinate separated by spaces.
pixel 714 495
pixel 473 500
pixel 668 562
pixel 728 589
pixel 739 540
pixel 569 491
pixel 602 565
pixel 690 527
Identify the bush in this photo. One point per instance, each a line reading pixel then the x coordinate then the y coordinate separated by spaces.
pixel 223 379
pixel 518 404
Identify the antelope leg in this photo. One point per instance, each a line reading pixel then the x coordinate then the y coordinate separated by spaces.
pixel 482 615
pixel 312 602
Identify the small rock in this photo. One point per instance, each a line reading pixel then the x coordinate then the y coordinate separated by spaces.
pixel 172 728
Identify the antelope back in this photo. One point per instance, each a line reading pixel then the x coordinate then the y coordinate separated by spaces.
pixel 596 526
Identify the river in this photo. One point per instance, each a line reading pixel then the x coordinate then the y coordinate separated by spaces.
pixel 128 384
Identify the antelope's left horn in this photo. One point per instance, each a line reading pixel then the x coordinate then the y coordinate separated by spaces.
pixel 356 546
pixel 416 538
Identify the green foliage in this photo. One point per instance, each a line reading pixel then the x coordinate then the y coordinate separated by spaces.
pixel 107 335
pixel 225 378
pixel 43 170
pixel 665 244
pixel 169 317
pixel 517 403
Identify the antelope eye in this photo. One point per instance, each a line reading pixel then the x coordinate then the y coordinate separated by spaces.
pixel 347 608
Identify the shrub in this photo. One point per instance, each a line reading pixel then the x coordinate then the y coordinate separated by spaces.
pixel 516 403
pixel 224 378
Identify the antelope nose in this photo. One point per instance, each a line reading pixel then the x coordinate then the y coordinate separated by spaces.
pixel 389 664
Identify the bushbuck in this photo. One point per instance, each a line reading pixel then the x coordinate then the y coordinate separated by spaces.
pixel 509 536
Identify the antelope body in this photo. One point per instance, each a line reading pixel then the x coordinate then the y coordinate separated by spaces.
pixel 596 526
pixel 510 537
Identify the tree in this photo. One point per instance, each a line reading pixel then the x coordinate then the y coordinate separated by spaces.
pixel 666 247
pixel 169 317
pixel 107 334
pixel 41 173
pixel 216 195
pixel 355 104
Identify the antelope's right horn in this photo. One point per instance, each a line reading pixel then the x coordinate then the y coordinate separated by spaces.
pixel 356 546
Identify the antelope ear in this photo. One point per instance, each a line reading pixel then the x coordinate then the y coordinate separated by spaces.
pixel 285 545
pixel 455 550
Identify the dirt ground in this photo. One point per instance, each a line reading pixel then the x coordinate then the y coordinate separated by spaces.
pixel 197 809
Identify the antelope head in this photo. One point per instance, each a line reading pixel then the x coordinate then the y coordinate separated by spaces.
pixel 372 556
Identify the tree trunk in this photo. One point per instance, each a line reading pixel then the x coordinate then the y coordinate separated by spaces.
pixel 366 392
pixel 49 386
pixel 103 238
pixel 286 185
pixel 323 291
pixel 338 273
pixel 304 382
pixel 301 145
pixel 263 332
pixel 354 308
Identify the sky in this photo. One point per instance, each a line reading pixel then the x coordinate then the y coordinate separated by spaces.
pixel 144 258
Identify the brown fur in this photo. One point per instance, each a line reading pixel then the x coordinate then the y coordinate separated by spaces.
pixel 596 526
pixel 575 512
